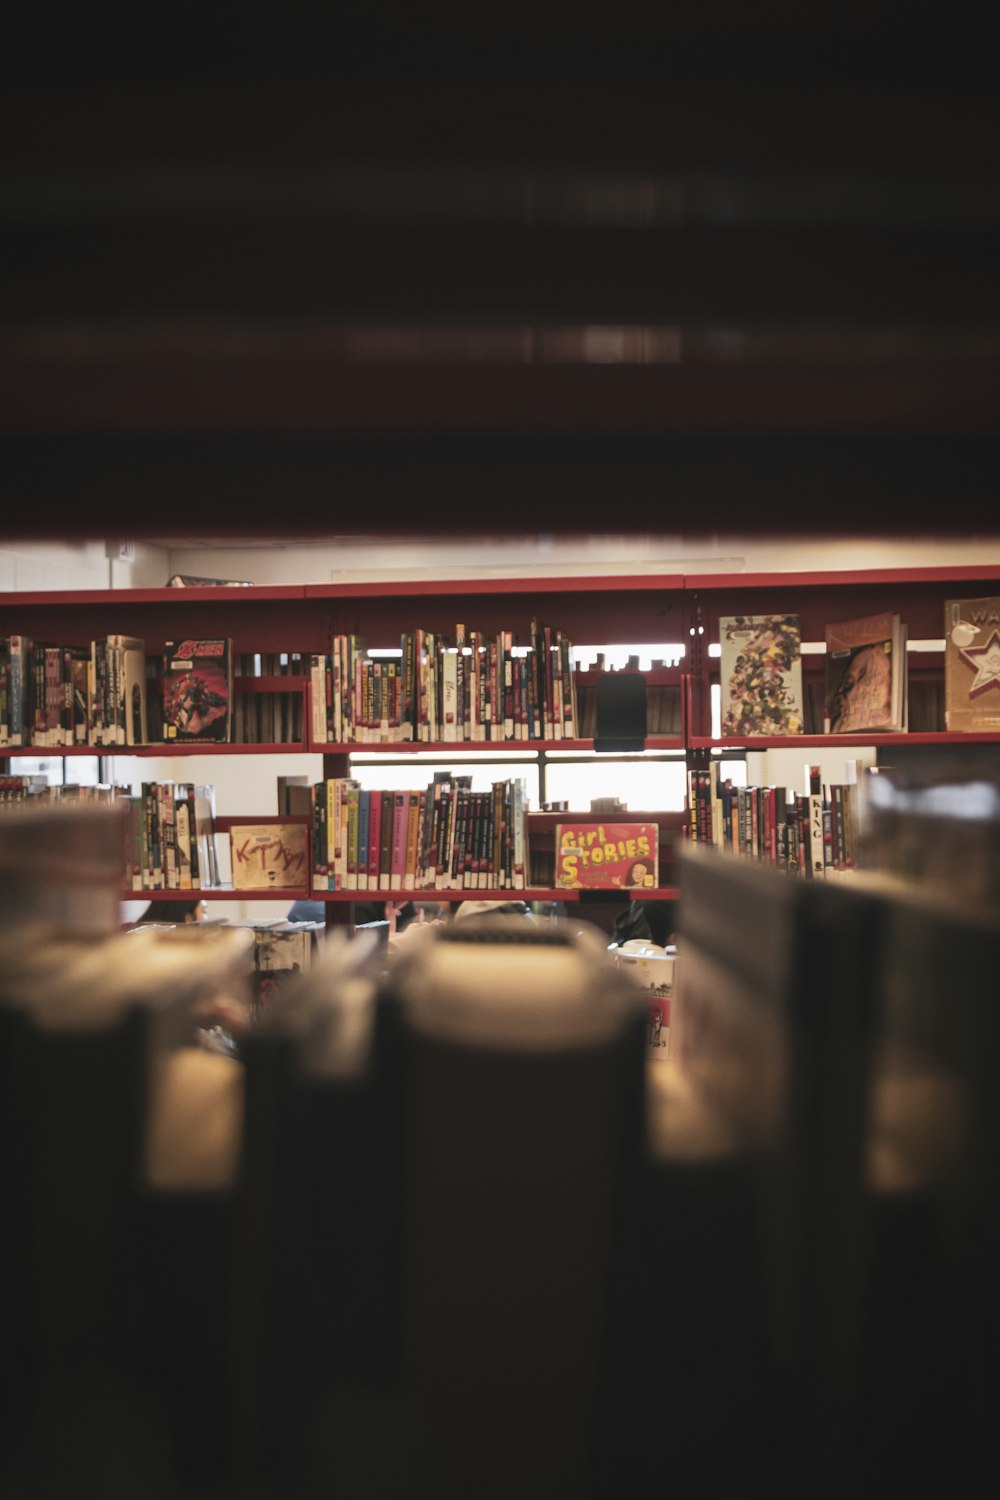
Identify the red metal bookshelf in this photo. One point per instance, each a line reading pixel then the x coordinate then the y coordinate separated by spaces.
pixel 668 607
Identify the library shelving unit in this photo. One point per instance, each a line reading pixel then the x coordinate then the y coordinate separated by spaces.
pixel 668 608
pixel 302 618
pixel 819 599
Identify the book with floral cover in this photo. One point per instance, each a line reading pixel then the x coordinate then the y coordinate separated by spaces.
pixel 761 675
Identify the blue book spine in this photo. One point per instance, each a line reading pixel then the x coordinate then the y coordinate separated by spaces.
pixel 364 799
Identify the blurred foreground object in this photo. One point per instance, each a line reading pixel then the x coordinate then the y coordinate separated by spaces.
pixel 63 863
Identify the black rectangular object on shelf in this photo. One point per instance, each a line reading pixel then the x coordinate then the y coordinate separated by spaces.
pixel 621 713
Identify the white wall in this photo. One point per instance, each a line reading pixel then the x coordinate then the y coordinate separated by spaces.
pixel 376 558
pixel 30 565
pixel 33 565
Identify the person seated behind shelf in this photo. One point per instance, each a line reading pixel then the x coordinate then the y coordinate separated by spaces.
pixel 315 911
pixel 222 1020
pixel 651 920
pixel 174 912
pixel 512 908
pixel 366 911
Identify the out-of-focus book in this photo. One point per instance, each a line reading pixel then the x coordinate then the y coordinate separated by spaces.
pixel 972 664
pixel 269 855
pixel 654 975
pixel 761 674
pixel 282 953
pixel 607 856
pixel 193 581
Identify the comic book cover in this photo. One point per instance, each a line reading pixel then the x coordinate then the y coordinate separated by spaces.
pixel 197 690
pixel 607 856
pixel 761 675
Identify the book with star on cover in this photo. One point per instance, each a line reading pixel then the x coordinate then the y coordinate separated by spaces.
pixel 972 664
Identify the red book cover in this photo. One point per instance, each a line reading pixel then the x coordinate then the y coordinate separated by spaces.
pixel 197 690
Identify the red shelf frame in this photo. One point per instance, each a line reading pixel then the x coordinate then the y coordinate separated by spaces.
pixel 221 893
pixel 479 747
pixel 830 741
pixel 472 587
pixel 849 577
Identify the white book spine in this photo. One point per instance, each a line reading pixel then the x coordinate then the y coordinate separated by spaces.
pixel 317 696
pixel 518 820
pixel 449 695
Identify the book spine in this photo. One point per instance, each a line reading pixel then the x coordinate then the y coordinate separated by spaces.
pixel 98 693
pixel 460 850
pixel 386 810
pixel 36 695
pixel 548 680
pixel 573 717
pixel 168 837
pixel 412 827
pixel 505 671
pixel 351 842
pixel 555 666
pixel 335 833
pixel 187 790
pixel 155 839
pixel 182 828
pixel 816 868
pixel 400 814
pixel 80 696
pixel 443 836
pixel 335 731
pixel 376 834
pixel 320 864
pixel 520 852
pixel 484 849
pixel 425 873
pixel 317 699
pixel 478 840
pixel 4 691
pixel 66 733
pixel 133 844
pixel 449 686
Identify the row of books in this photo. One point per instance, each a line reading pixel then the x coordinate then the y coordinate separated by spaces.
pixel 473 687
pixel 64 695
pixel 814 834
pixel 19 788
pixel 446 837
pixel 865 682
pixel 170 837
pixel 57 695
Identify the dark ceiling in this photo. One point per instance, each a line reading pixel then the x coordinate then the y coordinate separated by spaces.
pixel 345 267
